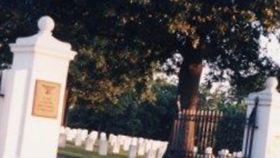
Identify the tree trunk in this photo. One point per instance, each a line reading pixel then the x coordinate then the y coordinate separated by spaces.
pixel 188 95
pixel 189 79
pixel 182 138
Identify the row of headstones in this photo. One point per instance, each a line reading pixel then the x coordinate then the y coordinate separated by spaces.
pixel 94 141
pixel 224 153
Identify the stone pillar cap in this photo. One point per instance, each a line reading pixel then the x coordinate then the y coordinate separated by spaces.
pixel 267 96
pixel 43 42
pixel 271 83
pixel 46 24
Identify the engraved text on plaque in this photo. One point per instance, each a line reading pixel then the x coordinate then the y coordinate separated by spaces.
pixel 46 99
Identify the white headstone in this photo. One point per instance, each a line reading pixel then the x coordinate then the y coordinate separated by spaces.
pixel 162 149
pixel 62 140
pixel 26 122
pixel 134 141
pixel 141 140
pixel 209 152
pixel 103 145
pixel 121 139
pixel 116 148
pixel 84 134
pixel 69 134
pixel 223 153
pixel 89 144
pixel 112 139
pixel 132 153
pixel 239 155
pixel 155 145
pixel 195 150
pixel 148 145
pixel 93 134
pixel 78 141
pixel 151 154
pixel 141 147
pixel 126 144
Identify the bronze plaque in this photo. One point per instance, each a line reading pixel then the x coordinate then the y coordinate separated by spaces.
pixel 46 99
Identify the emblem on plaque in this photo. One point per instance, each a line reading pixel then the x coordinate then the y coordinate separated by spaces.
pixel 46 99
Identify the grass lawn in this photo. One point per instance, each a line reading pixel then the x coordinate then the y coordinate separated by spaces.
pixel 71 151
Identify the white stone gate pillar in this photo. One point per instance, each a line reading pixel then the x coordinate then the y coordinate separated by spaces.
pixel 31 110
pixel 266 140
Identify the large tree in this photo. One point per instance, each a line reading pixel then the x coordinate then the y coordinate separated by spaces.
pixel 121 42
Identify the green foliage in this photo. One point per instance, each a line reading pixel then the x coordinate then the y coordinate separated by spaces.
pixel 129 116
pixel 121 43
pixel 222 100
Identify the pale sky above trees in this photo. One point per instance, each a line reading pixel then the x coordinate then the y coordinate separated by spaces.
pixel 271 46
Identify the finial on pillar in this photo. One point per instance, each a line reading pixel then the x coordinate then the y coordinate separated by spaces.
pixel 46 24
pixel 271 83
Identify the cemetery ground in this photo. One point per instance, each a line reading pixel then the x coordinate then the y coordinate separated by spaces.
pixel 72 151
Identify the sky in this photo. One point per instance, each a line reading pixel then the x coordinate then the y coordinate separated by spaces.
pixel 271 47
